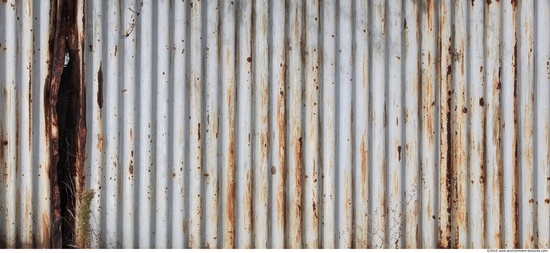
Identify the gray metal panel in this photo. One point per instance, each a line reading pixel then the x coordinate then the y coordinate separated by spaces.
pixel 25 194
pixel 305 124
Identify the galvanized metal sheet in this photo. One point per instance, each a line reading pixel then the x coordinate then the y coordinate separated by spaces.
pixel 306 124
pixel 25 167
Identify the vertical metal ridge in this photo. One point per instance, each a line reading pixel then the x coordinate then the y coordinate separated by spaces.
pixel 542 135
pixel 493 132
pixel 361 119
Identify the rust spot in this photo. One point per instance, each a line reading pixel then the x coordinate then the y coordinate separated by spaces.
pixel 465 110
pixel 399 152
pixel 473 2
pixel 273 170
pixel 531 201
pixel 206 174
pixel 131 168
pixel 481 102
pixel 480 69
pixel 199 131
pixel 514 3
pixel 547 201
pixel 249 59
pixel 488 2
pixel 116 49
pixel 100 87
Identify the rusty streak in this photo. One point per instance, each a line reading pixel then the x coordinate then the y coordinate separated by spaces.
pixel 100 87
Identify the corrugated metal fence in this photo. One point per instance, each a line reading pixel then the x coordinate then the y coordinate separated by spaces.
pixel 305 124
pixel 26 212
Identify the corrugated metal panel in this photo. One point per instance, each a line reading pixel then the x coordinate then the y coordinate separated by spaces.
pixel 334 124
pixel 25 183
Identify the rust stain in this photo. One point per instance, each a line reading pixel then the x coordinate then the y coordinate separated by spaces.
pixel 100 87
pixel 230 212
pixel 28 201
pixel 249 200
pixel 46 227
pixel 399 152
pixel 298 184
pixel 99 142
pixel 430 10
pixel 131 167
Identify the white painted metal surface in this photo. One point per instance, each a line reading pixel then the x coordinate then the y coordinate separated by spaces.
pixel 305 124
pixel 288 124
pixel 25 193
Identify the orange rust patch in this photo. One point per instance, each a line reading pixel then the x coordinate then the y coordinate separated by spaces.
pixel 45 227
pixel 99 142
